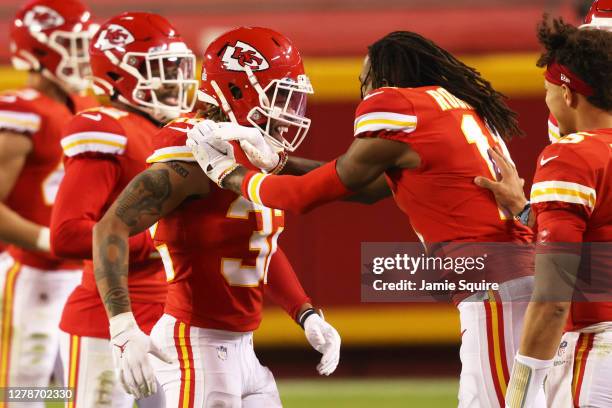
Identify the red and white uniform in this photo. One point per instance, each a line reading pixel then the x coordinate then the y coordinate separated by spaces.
pixel 104 149
pixel 572 199
pixel 444 206
pixel 34 285
pixel 219 252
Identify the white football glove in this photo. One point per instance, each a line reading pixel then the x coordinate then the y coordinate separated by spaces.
pixel 215 156
pixel 326 340
pixel 252 142
pixel 131 348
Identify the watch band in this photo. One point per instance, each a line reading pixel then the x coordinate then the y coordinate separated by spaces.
pixel 523 216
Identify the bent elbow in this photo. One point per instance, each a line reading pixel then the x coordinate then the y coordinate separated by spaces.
pixel 63 246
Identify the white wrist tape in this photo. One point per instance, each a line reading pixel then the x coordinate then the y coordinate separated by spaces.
pixel 43 242
pixel 526 381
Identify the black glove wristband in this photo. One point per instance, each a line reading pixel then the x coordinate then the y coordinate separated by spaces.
pixel 304 315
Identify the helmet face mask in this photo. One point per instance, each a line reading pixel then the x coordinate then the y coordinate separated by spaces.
pixel 139 59
pixel 280 114
pixel 53 39
pixel 73 47
pixel 166 82
pixel 256 76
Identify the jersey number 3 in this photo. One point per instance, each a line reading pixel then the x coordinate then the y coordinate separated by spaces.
pixel 263 241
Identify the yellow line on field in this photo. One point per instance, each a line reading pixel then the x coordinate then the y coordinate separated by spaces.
pixel 370 325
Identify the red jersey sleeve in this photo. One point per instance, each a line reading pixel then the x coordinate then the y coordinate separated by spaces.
pixel 81 202
pixel 298 194
pixel 385 113
pixel 170 142
pixel 566 178
pixel 95 131
pixel 18 113
pixel 284 287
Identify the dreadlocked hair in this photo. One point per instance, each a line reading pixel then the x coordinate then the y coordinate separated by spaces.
pixel 212 112
pixel 407 60
pixel 586 52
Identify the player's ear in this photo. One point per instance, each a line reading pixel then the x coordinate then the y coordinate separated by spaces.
pixel 569 97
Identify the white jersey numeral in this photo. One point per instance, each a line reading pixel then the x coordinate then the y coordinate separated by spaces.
pixel 475 135
pixel 264 241
pixel 51 184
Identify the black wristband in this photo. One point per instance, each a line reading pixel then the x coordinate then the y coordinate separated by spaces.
pixel 304 315
pixel 523 216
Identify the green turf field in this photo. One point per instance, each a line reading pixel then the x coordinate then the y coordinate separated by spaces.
pixel 368 393
pixel 396 393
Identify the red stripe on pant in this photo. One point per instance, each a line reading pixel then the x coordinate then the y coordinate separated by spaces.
pixel 581 355
pixel 6 324
pixel 496 346
pixel 182 343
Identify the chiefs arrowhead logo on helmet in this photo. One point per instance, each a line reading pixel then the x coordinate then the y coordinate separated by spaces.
pixel 241 55
pixel 115 36
pixel 42 18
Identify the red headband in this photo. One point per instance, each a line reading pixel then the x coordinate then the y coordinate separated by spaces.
pixel 561 75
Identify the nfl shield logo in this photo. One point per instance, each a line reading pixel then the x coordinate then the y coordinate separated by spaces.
pixel 562 348
pixel 222 352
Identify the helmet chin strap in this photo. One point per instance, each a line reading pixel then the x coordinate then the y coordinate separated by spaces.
pixel 224 104
pixel 263 98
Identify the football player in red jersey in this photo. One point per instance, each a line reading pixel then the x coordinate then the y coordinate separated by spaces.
pixel 49 39
pixel 571 204
pixel 419 105
pixel 599 17
pixel 219 250
pixel 143 64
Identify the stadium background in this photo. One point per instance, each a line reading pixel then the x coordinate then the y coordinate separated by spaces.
pixel 414 344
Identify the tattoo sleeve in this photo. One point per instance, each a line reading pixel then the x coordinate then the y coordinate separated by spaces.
pixel 145 195
pixel 111 272
pixel 147 198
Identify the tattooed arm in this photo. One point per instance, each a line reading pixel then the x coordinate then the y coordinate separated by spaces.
pixel 152 194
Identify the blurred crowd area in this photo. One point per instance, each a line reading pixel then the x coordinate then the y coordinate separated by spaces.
pixel 495 36
pixel 345 27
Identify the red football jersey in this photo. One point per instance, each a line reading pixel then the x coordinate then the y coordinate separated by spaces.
pixel 440 196
pixel 41 118
pixel 575 174
pixel 216 250
pixel 124 140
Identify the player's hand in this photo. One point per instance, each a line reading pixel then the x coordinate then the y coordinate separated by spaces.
pixel 253 143
pixel 215 156
pixel 326 340
pixel 130 348
pixel 508 190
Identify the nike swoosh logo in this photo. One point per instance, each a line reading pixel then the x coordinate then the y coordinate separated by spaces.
pixel 97 117
pixel 8 99
pixel 464 330
pixel 543 161
pixel 372 94
pixel 179 129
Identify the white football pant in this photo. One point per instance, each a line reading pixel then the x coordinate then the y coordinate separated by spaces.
pixel 89 371
pixel 582 372
pixel 211 368
pixel 491 324
pixel 31 304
